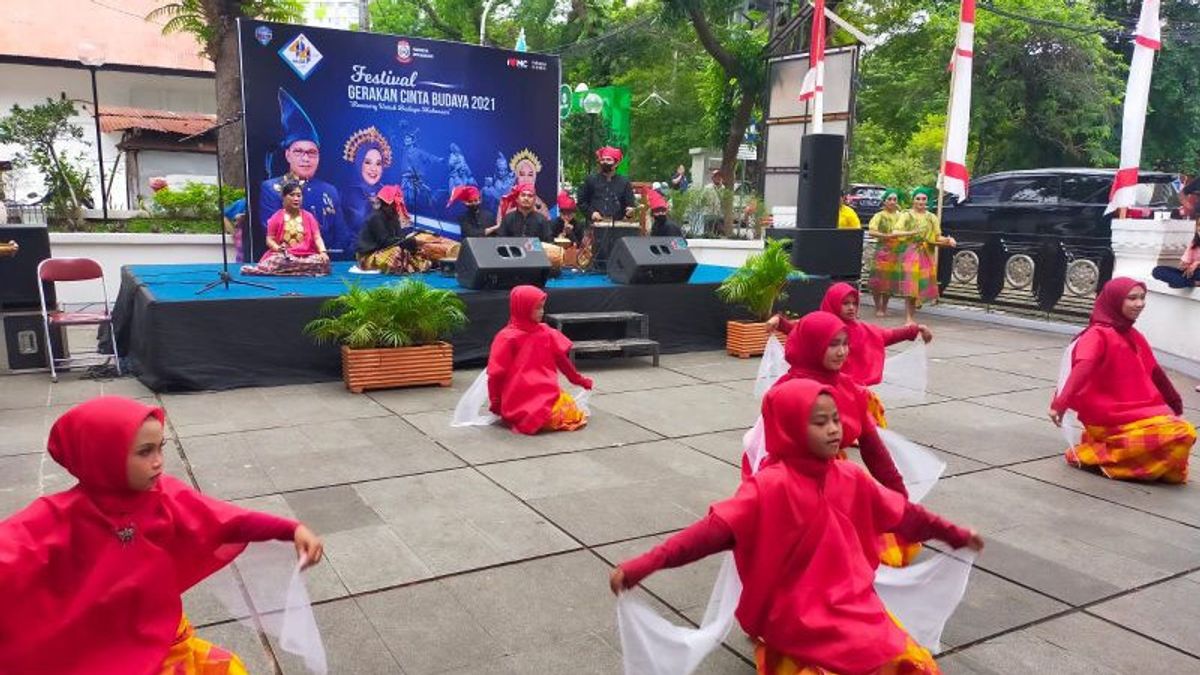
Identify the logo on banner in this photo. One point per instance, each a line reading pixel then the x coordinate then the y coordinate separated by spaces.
pixel 263 34
pixel 404 52
pixel 518 63
pixel 301 55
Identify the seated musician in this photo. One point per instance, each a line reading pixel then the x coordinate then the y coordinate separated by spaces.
pixel 294 243
pixel 661 226
pixel 388 242
pixel 567 225
pixel 525 221
pixel 475 221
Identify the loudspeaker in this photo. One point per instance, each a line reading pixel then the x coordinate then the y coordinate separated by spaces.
pixel 23 346
pixel 501 262
pixel 18 274
pixel 820 180
pixel 651 260
pixel 836 254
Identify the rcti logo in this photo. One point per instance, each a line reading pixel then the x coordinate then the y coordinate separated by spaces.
pixel 301 55
pixel 263 35
pixel 404 52
pixel 518 63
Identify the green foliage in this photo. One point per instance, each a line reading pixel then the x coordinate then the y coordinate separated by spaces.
pixel 207 20
pixel 39 133
pixel 145 226
pixel 193 200
pixel 403 314
pixel 876 158
pixel 761 281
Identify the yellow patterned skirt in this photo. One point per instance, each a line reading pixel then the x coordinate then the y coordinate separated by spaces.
pixel 1155 448
pixel 914 660
pixel 875 410
pixel 565 415
pixel 190 655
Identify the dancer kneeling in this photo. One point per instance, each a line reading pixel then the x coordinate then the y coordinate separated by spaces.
pixel 294 244
pixel 92 577
pixel 1129 408
pixel 523 370
pixel 803 533
pixel 390 244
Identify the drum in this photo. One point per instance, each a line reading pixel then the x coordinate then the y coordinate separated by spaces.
pixel 435 248
pixel 556 254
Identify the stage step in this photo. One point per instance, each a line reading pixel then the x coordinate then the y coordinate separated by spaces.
pixel 626 347
pixel 560 321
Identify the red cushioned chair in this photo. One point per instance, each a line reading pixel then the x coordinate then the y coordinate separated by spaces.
pixel 59 270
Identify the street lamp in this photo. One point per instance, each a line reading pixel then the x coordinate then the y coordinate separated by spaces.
pixel 92 58
pixel 592 104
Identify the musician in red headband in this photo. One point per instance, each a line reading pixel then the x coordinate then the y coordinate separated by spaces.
pixel 567 224
pixel 525 221
pixel 607 195
pixel 475 221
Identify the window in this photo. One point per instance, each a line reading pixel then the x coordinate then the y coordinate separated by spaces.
pixel 985 192
pixel 1086 189
pixel 1033 190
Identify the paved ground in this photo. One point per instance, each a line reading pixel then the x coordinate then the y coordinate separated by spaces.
pixel 477 551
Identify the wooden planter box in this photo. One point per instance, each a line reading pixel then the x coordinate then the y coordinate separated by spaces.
pixel 364 369
pixel 744 339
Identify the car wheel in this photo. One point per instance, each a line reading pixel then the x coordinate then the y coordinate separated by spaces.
pixel 1083 276
pixel 1018 271
pixel 965 267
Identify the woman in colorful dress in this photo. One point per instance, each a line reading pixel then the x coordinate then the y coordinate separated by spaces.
pixel 92 577
pixel 389 243
pixel 294 244
pixel 1133 429
pixel 802 531
pixel 369 153
pixel 523 366
pixel 881 228
pixel 913 273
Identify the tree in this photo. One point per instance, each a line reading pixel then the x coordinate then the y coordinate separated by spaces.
pixel 40 131
pixel 214 24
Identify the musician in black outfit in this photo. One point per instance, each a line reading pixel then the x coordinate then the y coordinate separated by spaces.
pixel 475 221
pixel 607 195
pixel 525 221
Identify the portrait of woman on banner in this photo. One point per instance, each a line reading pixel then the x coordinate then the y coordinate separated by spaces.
pixel 369 152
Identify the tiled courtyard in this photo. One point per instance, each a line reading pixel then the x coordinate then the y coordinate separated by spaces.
pixel 478 551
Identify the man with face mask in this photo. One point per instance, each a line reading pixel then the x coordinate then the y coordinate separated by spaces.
pixel 607 195
pixel 661 226
pixel 475 221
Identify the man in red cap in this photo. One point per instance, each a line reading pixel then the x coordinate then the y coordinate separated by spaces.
pixel 525 221
pixel 565 225
pixel 474 222
pixel 661 226
pixel 607 195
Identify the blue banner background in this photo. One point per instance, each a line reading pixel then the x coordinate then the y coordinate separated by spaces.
pixel 490 103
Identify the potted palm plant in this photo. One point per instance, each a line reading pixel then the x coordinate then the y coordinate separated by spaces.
pixel 392 336
pixel 757 286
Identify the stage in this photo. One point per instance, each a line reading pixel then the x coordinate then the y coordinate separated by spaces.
pixel 248 337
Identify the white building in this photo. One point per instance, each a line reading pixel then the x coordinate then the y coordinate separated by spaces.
pixel 153 89
pixel 341 14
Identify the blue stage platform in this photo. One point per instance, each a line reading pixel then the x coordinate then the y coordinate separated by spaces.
pixel 244 336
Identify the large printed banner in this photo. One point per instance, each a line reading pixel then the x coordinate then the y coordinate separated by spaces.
pixel 345 113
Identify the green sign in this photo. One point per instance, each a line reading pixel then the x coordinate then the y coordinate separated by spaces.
pixel 564 102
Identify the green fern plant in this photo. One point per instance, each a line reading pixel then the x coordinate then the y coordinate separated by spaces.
pixel 761 281
pixel 403 314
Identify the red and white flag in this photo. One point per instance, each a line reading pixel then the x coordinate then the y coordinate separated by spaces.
pixel 954 178
pixel 1147 40
pixel 814 81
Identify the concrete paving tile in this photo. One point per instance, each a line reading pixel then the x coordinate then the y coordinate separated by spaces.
pixel 1187 390
pixel 618 493
pixel 425 399
pixel 35 390
pixel 1031 402
pixel 242 640
pixel 724 445
pixel 1041 364
pixel 712 366
pixel 897 397
pixel 458 520
pixel 953 346
pixel 25 430
pixel 1066 545
pixel 1168 612
pixel 312 455
pixel 373 557
pixel 332 509
pixel 352 647
pixel 1075 644
pixel 1177 502
pixel 683 411
pixel 1013 338
pixel 958 379
pixel 216 599
pixel 479 445
pixel 263 407
pixel 978 432
pixel 993 605
pixel 24 478
pixel 631 375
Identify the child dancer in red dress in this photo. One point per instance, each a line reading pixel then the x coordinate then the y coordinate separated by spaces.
pixel 92 577
pixel 803 532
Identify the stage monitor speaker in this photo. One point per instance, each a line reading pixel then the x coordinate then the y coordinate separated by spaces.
pixel 651 260
pixel 18 273
pixel 23 344
pixel 836 254
pixel 501 262
pixel 820 180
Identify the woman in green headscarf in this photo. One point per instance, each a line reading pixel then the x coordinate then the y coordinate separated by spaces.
pixel 882 227
pixel 914 276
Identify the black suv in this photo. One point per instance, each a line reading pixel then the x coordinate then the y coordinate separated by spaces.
pixel 1062 202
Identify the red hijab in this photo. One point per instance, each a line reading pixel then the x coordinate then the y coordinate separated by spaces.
pixel 1107 310
pixel 805 353
pixel 805 531
pixel 92 577
pixel 523 364
pixel 868 349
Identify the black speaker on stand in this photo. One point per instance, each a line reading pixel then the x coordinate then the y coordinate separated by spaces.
pixel 501 262
pixel 820 192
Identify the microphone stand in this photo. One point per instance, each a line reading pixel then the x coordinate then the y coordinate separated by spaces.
pixel 224 278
